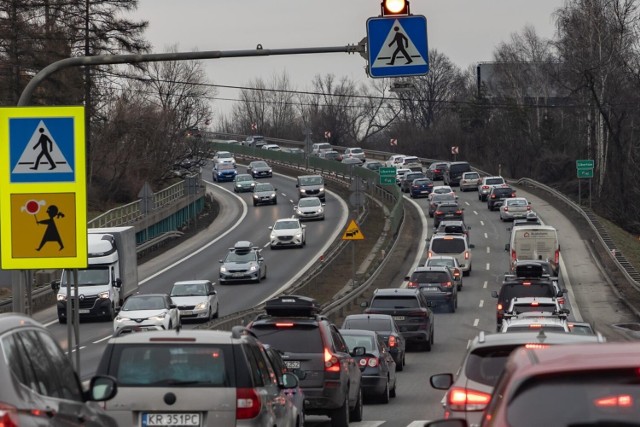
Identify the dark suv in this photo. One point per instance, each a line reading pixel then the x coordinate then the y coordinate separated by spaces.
pixel 436 170
pixel 310 342
pixel 496 196
pixel 436 284
pixel 522 287
pixel 453 173
pixel 410 309
pixel 447 211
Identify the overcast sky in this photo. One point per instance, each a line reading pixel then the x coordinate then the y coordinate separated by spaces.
pixel 466 31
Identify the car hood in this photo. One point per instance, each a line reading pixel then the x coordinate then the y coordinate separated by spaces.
pixel 238 265
pixel 288 232
pixel 141 314
pixel 309 208
pixel 189 300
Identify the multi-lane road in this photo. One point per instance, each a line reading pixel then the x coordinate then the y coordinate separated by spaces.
pixel 415 401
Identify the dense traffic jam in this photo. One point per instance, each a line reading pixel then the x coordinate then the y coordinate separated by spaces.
pixel 291 361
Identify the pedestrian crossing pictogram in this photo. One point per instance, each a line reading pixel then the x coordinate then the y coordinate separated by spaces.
pixel 42 150
pixel 398 49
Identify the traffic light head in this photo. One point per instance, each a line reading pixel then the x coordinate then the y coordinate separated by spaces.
pixel 394 7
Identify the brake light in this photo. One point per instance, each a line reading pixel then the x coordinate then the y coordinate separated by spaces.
pixel 464 399
pixel 499 306
pixel 456 273
pixel 438 212
pixel 8 416
pixel 556 257
pixel 331 362
pixel 534 346
pixel 506 208
pixel 429 254
pixel 467 255
pixel 528 208
pixel 247 403
pixel 284 325
pixel 561 300
pixel 514 257
pixel 513 194
pixel 493 196
pixel 392 341
pixel 436 170
pixel 446 284
pixel 535 325
pixel 485 187
pixel 421 313
pixel 621 401
pixel 458 212
pixel 535 303
pixel 526 283
pixel 369 361
pixel 412 285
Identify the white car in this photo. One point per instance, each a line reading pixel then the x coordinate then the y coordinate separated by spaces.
pixel 147 310
pixel 442 189
pixel 400 174
pixel 470 180
pixel 224 157
pixel 355 153
pixel 196 299
pixel 287 232
pixel 395 160
pixel 487 183
pixel 514 208
pixel 309 208
pixel 272 147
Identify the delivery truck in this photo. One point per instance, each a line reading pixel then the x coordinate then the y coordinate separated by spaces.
pixel 534 242
pixel 110 277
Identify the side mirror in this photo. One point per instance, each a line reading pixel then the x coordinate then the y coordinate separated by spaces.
pixel 494 294
pixel 221 261
pixel 173 306
pixel 507 247
pixel 295 207
pixel 270 227
pixel 323 204
pixel 472 245
pixel 304 226
pixel 289 380
pixel 297 185
pixel 509 228
pixel 441 381
pixel 407 278
pixel 364 304
pixel 358 351
pixel 213 293
pixel 101 388
pixel 565 311
pixel 275 189
pixel 55 285
pixel 118 283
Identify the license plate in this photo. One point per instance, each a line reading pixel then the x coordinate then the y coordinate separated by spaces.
pixel 424 191
pixel 84 311
pixel 238 274
pixel 186 312
pixel 191 419
pixel 398 317
pixel 430 289
pixel 292 364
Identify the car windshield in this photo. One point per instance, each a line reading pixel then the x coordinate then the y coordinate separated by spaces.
pixel 143 365
pixel 373 165
pixel 263 187
pixel 259 165
pixel 357 151
pixel 517 202
pixel 225 166
pixel 365 341
pixel 244 256
pixel 143 302
pixel 311 180
pixel 517 290
pixel 189 289
pixel 502 192
pixel 421 181
pixel 471 175
pixel 299 338
pixel 224 155
pixel 525 308
pixel 379 325
pixel 410 160
pixel 536 327
pixel 286 225
pixel 448 208
pixel 241 178
pixel 88 277
pixel 594 398
pixel 448 246
pixel 308 202
pixel 395 301
pixel 443 197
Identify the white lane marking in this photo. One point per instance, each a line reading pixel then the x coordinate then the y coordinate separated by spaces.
pixel 211 243
pixel 475 323
pixel 284 194
pixel 291 201
pixel 46 325
pixel 266 244
pixel 488 250
pixel 486 236
pixel 481 303
pixel 423 238
pixel 72 351
pixel 418 423
pixel 482 223
pixel 488 266
pixel 103 339
pixel 368 424
pixel 467 203
pixel 468 344
pixel 484 285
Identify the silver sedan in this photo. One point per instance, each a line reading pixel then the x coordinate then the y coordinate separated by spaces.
pixel 515 207
pixel 309 208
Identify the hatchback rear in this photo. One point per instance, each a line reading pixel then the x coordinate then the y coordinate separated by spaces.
pixel 437 286
pixel 452 245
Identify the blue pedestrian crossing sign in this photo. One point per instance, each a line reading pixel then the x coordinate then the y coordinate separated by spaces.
pixel 397 46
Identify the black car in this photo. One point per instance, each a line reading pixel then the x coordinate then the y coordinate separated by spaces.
pixel 409 309
pixel 497 195
pixel 436 284
pixel 376 365
pixel 407 180
pixel 436 170
pixel 386 327
pixel 437 199
pixel 447 211
pixel 310 342
pixel 453 173
pixel 521 287
pixel 260 169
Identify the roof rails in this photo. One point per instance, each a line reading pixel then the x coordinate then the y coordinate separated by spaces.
pixel 292 306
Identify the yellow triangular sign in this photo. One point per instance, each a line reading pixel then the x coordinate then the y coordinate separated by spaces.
pixel 353 232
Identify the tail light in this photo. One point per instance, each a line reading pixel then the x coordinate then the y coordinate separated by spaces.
pixel 513 194
pixel 528 208
pixel 526 283
pixel 421 313
pixel 485 187
pixel 438 212
pixel 513 256
pixel 465 399
pixel 556 257
pixel 445 284
pixel 8 416
pixel 535 325
pixel 392 341
pixel 536 346
pixel 248 403
pixel 436 170
pixel 284 324
pixel 412 285
pixel 467 255
pixel 621 401
pixel 499 307
pixel 493 196
pixel 331 362
pixel 561 300
pixel 429 254
pixel 506 208
pixel 535 304
pixel 458 212
pixel 456 273
pixel 372 362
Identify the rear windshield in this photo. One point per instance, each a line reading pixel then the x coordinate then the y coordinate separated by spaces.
pixel 429 277
pixel 459 168
pixel 380 325
pixel 471 175
pixel 291 339
pixel 502 191
pixel 448 246
pixel 441 262
pixel 395 301
pixel 448 208
pixel 525 308
pixel 354 341
pixel 527 328
pixel 144 365
pixel 494 181
pixel 517 291
pixel 485 365
pixel 606 397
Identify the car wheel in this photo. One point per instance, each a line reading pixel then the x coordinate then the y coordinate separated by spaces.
pixel 357 412
pixel 170 325
pixel 216 314
pixel 110 314
pixel 392 392
pixel 259 278
pixel 429 343
pixel 400 364
pixel 384 397
pixel 275 201
pixel 459 287
pixel 340 416
pixel 62 320
pixel 255 204
pixel 452 306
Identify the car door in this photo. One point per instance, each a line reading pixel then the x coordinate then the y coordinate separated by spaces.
pixel 353 370
pixel 389 363
pixel 213 296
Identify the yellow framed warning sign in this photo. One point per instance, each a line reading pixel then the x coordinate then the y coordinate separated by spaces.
pixel 43 180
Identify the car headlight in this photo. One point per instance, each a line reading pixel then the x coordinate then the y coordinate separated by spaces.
pixel 302 190
pixel 273 195
pixel 253 184
pixel 61 297
pixel 238 185
pixel 272 235
pixel 320 210
pixel 103 295
pixel 253 268
pixel 298 235
pixel 201 306
pixel 298 211
pixel 255 196
pixel 223 269
pixel 119 319
pixel 321 189
pixel 160 316
pixel 270 171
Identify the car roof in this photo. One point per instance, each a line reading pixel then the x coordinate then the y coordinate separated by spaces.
pixel 369 316
pixel 148 295
pixel 10 321
pixel 489 339
pixel 395 291
pixel 192 282
pixel 182 337
pixel 309 176
pixel 440 268
pixel 448 237
pixel 360 332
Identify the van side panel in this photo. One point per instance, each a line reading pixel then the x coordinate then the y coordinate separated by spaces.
pixel 535 242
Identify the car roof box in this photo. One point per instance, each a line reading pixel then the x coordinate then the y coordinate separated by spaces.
pixel 292 305
pixel 529 270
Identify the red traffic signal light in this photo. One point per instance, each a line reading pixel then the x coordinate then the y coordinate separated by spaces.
pixel 394 7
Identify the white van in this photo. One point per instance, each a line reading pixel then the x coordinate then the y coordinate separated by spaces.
pixel 534 242
pixel 452 245
pixel 318 147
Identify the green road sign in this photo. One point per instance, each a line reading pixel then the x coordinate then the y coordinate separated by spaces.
pixel 585 173
pixel 584 164
pixel 387 176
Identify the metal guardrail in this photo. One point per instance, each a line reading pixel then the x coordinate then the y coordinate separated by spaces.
pixel 630 273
